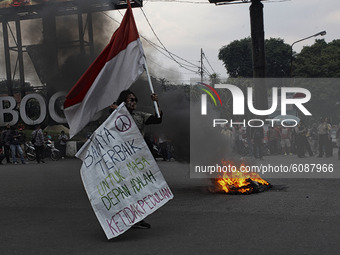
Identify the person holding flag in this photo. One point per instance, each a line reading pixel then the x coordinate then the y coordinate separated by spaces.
pixel 141 119
pixel 112 73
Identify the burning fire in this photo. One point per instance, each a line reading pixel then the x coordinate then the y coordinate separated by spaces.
pixel 240 182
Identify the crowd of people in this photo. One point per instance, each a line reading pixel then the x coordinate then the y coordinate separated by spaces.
pixel 301 140
pixel 13 142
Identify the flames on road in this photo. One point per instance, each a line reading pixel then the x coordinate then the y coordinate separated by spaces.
pixel 239 182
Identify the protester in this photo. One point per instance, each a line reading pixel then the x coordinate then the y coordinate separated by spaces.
pixel 141 119
pixel 165 147
pixel 302 142
pixel 285 135
pixel 22 138
pixel 250 147
pixel 338 140
pixel 15 146
pixel 38 142
pixel 6 143
pixel 313 134
pixel 62 142
pixel 323 132
pixel 293 147
pixel 47 137
pixel 329 145
pixel 2 155
pixel 300 133
pixel 237 139
pixel 273 140
pixel 227 132
pixel 257 136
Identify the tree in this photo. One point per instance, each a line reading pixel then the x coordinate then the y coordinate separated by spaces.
pixel 321 60
pixel 278 56
pixel 237 58
pixel 214 78
pixel 318 60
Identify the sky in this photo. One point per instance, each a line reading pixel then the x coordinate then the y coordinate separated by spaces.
pixel 185 27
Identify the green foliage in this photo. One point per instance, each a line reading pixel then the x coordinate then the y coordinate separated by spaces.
pixel 215 79
pixel 321 60
pixel 278 55
pixel 318 60
pixel 237 58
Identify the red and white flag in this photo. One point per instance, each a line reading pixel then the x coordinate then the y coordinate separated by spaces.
pixel 115 69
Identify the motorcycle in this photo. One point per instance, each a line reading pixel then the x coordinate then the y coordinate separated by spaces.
pixel 49 151
pixel 30 151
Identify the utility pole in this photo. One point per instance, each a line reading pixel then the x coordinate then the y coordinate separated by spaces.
pixel 20 58
pixel 51 50
pixel 7 58
pixel 201 71
pixel 257 39
pixel 258 51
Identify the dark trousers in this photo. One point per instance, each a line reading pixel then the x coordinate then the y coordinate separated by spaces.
pixel 63 150
pixel 307 146
pixel 273 147
pixel 329 147
pixel 258 148
pixel 7 150
pixel 39 152
pixel 166 151
pixel 322 144
pixel 2 156
pixel 301 145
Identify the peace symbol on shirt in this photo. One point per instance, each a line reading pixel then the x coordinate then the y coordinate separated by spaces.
pixel 123 123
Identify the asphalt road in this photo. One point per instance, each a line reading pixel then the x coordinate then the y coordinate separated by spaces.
pixel 44 210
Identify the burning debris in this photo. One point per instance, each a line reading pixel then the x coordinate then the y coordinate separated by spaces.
pixel 238 182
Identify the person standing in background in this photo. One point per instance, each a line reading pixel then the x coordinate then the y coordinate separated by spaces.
pixel 338 140
pixel 22 138
pixel 257 136
pixel 6 143
pixel 38 142
pixel 285 140
pixel 14 138
pixel 313 134
pixel 329 145
pixel 323 131
pixel 62 141
pixel 2 156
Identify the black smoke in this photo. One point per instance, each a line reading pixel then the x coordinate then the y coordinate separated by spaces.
pixel 189 132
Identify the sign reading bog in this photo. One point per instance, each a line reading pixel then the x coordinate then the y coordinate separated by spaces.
pixel 120 175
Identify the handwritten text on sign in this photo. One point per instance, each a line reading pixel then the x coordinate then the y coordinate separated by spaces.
pixel 120 175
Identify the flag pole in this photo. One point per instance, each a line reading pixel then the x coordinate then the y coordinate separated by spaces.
pixel 151 88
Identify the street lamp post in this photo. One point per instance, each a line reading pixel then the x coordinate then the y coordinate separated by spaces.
pixel 322 33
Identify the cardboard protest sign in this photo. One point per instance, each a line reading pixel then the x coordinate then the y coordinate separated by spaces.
pixel 120 175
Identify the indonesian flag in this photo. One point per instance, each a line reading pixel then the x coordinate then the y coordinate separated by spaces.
pixel 115 69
